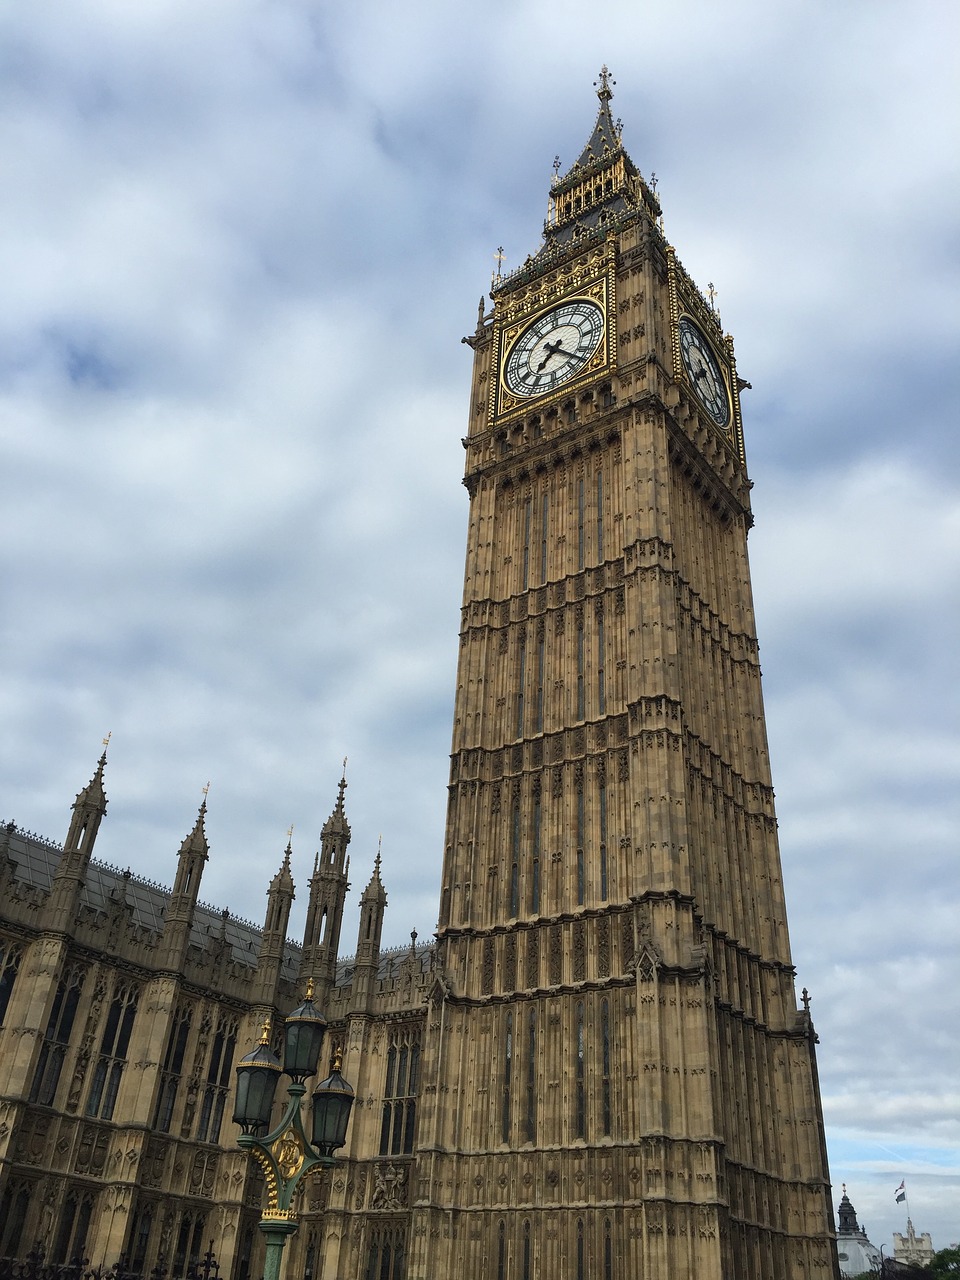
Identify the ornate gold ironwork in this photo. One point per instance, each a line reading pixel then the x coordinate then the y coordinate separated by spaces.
pixel 288 1153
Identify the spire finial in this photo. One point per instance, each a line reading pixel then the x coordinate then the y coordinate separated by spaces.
pixel 310 988
pixel 341 788
pixel 376 861
pixel 203 802
pixel 604 92
pixel 106 740
pixel 265 1031
pixel 805 997
pixel 498 259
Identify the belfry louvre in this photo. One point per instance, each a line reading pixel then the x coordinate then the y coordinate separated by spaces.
pixel 598 1069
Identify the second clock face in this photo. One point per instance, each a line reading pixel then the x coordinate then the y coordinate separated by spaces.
pixel 704 372
pixel 554 348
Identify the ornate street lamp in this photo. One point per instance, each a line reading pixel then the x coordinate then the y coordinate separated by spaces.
pixel 287 1155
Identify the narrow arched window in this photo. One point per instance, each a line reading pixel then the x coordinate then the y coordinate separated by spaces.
pixel 507 1078
pixel 580 1091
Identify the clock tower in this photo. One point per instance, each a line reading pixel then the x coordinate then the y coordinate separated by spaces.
pixel 616 1078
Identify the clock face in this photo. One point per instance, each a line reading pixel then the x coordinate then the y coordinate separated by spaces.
pixel 704 372
pixel 554 348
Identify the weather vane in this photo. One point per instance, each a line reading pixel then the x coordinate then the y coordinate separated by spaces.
pixel 498 259
pixel 106 740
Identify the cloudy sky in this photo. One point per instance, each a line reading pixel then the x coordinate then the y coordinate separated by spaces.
pixel 239 244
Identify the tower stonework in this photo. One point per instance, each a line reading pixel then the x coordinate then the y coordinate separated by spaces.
pixel 616 1078
pixel 598 1070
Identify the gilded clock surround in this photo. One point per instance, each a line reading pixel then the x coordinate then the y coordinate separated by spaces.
pixel 593 278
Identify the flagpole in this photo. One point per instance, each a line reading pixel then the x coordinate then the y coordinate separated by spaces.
pixel 901 1194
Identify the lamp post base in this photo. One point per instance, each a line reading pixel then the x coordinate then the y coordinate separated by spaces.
pixel 275 1232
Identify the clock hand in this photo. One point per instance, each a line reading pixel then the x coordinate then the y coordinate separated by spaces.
pixel 551 351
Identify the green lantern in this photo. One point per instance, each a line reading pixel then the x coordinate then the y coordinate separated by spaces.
pixel 257 1077
pixel 302 1037
pixel 332 1102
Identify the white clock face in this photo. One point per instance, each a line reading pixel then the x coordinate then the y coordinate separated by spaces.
pixel 704 372
pixel 554 348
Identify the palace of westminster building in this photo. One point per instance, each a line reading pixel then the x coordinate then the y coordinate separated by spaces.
pixel 598 1069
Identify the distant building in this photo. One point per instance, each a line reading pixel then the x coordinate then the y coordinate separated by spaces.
pixel 854 1250
pixel 911 1247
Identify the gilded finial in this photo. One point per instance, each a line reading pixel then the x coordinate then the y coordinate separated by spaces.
pixel 289 833
pixel 265 1031
pixel 106 740
pixel 604 92
pixel 309 989
pixel 712 296
pixel 497 275
pixel 337 1056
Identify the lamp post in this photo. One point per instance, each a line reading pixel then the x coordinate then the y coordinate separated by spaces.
pixel 286 1155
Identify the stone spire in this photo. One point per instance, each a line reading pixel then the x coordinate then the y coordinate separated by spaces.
pixel 193 855
pixel 328 891
pixel 89 808
pixel 280 897
pixel 373 905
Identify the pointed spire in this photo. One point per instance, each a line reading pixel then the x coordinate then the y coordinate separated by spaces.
pixel 604 144
pixel 283 880
pixel 196 841
pixel 337 823
pixel 847 1215
pixel 375 891
pixel 93 796
pixel 86 814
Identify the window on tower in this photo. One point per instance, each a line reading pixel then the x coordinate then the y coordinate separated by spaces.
pixel 53 1051
pixel 172 1067
pixel 398 1124
pixel 113 1053
pixel 385 1258
pixel 217 1086
pixel 10 957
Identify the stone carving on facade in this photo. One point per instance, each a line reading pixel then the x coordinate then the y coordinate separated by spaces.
pixel 487 967
pixel 603 947
pixel 510 961
pixel 389 1187
pixel 556 955
pixel 579 952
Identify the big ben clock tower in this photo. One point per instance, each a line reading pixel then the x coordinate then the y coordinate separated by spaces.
pixel 617 1080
